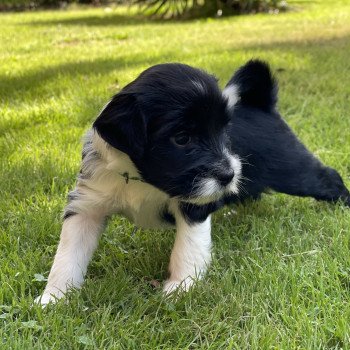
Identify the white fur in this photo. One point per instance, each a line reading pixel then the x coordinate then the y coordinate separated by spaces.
pixel 236 165
pixel 101 191
pixel 190 255
pixel 107 188
pixel 231 94
pixel 78 241
pixel 208 189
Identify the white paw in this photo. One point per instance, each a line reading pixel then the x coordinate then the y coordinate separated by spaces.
pixel 46 299
pixel 170 286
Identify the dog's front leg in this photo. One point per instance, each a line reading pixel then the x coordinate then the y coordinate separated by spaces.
pixel 79 238
pixel 190 255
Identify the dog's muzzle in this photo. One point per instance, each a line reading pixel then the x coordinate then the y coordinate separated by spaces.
pixel 225 177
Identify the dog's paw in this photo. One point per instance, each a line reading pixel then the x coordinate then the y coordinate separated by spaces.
pixel 171 286
pixel 45 299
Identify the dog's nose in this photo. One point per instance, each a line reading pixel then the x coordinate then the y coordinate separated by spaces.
pixel 225 177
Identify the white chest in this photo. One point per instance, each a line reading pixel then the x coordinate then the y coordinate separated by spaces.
pixel 143 204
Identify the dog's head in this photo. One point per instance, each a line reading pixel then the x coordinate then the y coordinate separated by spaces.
pixel 171 122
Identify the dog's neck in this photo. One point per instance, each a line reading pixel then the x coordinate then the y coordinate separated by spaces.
pixel 117 161
pixel 127 177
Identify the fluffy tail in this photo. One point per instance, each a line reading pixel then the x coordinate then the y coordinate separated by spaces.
pixel 254 85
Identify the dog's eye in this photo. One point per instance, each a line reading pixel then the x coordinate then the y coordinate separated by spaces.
pixel 181 139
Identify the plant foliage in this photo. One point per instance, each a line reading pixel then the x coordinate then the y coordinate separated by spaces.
pixel 202 8
pixel 164 8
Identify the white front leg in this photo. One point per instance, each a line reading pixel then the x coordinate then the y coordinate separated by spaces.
pixel 79 238
pixel 191 254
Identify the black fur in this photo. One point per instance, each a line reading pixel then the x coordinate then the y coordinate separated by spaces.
pixel 167 216
pixel 274 157
pixel 143 119
pixel 257 86
pixel 68 213
pixel 164 101
pixel 194 213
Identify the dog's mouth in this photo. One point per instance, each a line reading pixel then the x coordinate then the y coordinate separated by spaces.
pixel 210 189
pixel 217 182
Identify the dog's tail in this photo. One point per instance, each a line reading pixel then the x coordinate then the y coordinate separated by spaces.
pixel 253 85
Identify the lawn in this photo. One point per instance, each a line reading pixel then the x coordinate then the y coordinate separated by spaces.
pixel 280 277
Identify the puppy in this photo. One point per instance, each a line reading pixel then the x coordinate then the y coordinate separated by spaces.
pixel 167 150
pixel 274 159
pixel 159 153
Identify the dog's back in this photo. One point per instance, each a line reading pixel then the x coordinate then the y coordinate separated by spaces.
pixel 273 157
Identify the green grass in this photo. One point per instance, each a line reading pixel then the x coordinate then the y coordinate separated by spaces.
pixel 280 277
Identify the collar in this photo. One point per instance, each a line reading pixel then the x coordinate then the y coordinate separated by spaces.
pixel 127 177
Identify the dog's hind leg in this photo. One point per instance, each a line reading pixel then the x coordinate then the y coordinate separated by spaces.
pixel 312 180
pixel 291 168
pixel 279 161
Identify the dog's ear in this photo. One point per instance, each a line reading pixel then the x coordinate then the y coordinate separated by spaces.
pixel 254 85
pixel 122 125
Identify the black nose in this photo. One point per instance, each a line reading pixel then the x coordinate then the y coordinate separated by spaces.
pixel 225 177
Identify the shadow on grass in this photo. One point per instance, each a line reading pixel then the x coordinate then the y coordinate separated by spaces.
pixel 34 84
pixel 131 18
pixel 335 49
pixel 37 85
pixel 107 20
pixel 33 80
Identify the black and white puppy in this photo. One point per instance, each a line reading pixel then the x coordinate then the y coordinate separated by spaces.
pixel 274 158
pixel 166 152
pixel 159 154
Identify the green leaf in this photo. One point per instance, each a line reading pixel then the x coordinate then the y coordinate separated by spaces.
pixel 39 278
pixel 32 324
pixel 84 339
